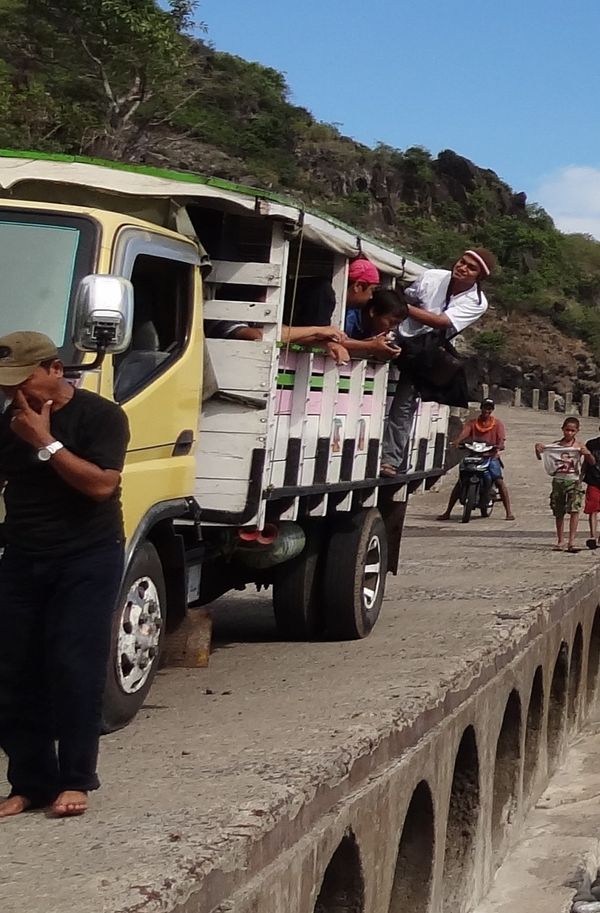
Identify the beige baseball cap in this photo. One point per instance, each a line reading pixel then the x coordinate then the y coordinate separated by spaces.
pixel 21 353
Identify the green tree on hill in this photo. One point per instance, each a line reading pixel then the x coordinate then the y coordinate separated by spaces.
pixel 84 72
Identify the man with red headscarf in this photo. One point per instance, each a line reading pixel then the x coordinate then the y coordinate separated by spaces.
pixel 314 307
pixel 444 302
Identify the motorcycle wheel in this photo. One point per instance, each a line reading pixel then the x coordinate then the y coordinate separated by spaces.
pixel 486 509
pixel 488 499
pixel 471 497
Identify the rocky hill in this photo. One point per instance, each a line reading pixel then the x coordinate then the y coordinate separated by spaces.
pixel 126 81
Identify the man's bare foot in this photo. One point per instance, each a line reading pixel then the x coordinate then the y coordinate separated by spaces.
pixel 14 805
pixel 68 803
pixel 510 517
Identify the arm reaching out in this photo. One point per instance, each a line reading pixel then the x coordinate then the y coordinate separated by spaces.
pixel 309 335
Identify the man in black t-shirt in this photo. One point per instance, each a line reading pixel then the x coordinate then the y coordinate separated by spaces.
pixel 61 455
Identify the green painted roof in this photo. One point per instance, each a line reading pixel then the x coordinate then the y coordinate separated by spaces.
pixel 190 177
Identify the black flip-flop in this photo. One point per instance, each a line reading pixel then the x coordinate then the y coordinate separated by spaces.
pixel 591 543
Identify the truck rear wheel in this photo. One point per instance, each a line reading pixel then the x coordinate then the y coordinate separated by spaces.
pixel 297 602
pixel 137 637
pixel 354 579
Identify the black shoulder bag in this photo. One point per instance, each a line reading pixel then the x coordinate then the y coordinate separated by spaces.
pixel 434 366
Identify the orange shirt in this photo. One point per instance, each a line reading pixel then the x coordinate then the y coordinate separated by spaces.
pixel 496 436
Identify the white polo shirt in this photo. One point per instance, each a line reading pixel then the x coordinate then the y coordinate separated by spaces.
pixel 429 292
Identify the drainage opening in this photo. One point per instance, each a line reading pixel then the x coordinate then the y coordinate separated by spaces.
pixel 557 706
pixel 575 675
pixel 593 660
pixel 506 771
pixel 412 878
pixel 461 829
pixel 343 890
pixel 535 718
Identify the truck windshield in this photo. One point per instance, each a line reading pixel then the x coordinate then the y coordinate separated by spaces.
pixel 42 259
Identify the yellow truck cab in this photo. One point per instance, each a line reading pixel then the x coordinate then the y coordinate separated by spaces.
pixel 250 461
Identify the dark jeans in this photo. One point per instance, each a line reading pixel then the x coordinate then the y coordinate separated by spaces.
pixel 397 430
pixel 55 623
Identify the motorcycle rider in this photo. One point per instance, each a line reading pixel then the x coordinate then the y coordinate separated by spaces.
pixel 486 429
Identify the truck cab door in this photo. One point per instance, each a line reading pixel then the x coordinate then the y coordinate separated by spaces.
pixel 159 378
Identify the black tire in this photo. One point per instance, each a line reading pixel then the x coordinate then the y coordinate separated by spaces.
pixel 297 598
pixel 357 542
pixel 487 508
pixel 469 502
pixel 120 703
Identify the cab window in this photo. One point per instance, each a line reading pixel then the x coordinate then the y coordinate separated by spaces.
pixel 162 299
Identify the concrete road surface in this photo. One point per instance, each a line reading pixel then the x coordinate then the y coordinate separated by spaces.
pixel 220 755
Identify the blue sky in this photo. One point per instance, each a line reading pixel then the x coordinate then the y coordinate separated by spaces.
pixel 511 84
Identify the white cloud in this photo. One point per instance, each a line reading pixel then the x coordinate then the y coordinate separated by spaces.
pixel 572 197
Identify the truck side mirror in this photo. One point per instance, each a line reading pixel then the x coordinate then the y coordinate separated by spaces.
pixel 103 319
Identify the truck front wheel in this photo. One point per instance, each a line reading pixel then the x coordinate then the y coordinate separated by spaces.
pixel 354 579
pixel 137 637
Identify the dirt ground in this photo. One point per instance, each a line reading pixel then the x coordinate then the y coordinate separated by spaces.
pixel 218 755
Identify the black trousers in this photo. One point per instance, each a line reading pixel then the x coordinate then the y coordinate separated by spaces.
pixel 55 623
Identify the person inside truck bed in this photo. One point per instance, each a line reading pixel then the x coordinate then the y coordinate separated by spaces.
pixel 301 335
pixel 369 328
pixel 228 329
pixel 314 306
pixel 311 315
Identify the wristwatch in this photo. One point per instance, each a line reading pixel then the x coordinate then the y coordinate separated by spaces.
pixel 46 453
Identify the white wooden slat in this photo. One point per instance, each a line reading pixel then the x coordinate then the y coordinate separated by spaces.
pixel 275 296
pixel 300 393
pixel 309 445
pixel 307 471
pixel 380 382
pixel 226 456
pixel 222 494
pixel 241 365
pixel 245 311
pixel 219 415
pixel 371 500
pixel 225 271
pixel 340 286
pixel 280 439
pixel 279 254
pixel 345 504
pixel 277 473
pixel 328 403
pixel 292 512
pixel 320 509
pixel 357 382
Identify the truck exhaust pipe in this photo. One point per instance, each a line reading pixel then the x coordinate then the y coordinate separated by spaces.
pixel 273 545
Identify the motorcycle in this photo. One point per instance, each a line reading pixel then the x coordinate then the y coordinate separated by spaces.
pixel 476 488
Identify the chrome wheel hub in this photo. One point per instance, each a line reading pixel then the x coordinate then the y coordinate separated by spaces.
pixel 139 635
pixel 372 573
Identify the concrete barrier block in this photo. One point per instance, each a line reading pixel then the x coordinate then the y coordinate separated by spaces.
pixel 585 405
pixel 535 399
pixel 551 400
pixel 517 400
